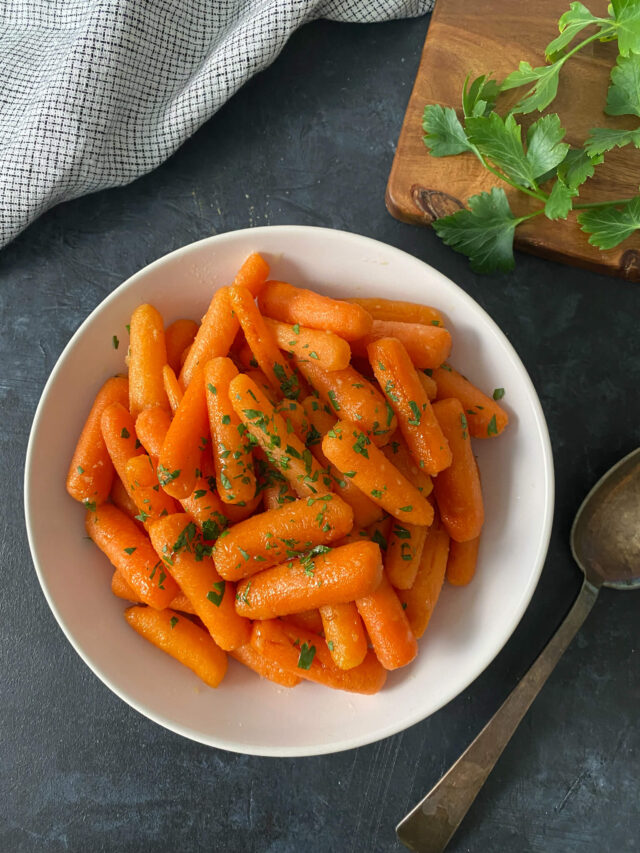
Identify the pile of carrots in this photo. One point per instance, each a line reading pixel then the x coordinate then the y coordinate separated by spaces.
pixel 288 482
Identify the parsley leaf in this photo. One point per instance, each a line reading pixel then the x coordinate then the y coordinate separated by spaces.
pixel 307 654
pixel 603 139
pixel 577 166
pixel 500 140
pixel 479 98
pixel 611 224
pixel 484 233
pixel 623 97
pixel 544 89
pixel 560 201
pixel 570 24
pixel 627 19
pixel 444 135
pixel 545 148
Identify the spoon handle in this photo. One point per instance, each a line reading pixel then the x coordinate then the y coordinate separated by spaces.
pixel 429 827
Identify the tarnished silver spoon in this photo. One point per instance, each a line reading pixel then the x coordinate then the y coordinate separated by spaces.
pixel 605 543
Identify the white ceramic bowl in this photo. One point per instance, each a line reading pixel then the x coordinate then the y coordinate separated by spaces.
pixel 247 714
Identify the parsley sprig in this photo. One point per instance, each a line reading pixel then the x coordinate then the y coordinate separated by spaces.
pixel 542 165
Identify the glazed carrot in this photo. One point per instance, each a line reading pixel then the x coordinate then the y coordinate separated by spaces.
pixel 279 534
pixel 283 449
pixel 219 327
pixel 388 627
pixel 365 511
pixel 121 498
pixel 262 382
pixel 177 542
pixel 172 387
pixel 423 596
pixel 121 589
pixel 328 351
pixel 147 357
pixel 403 555
pixel 184 442
pixel 244 357
pixel 306 654
pixel 152 427
pixel 214 337
pixel 282 301
pixel 484 416
pixel 128 548
pixel 119 433
pixel 309 620
pixel 428 346
pixel 404 312
pixel 352 452
pixel 182 639
pixel 461 565
pixel 236 512
pixel 429 385
pixel 178 336
pixel 142 481
pixel 346 639
pixel 205 508
pixel 230 446
pixel 91 471
pixel 398 454
pixel 295 412
pixel 263 344
pixel 253 659
pixel 398 379
pixel 353 398
pixel 457 490
pixel 335 577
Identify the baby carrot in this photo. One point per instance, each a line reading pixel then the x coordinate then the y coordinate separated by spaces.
pixel 404 312
pixel 178 336
pixel 121 589
pixel 399 381
pixel 279 534
pixel 423 596
pixel 147 357
pixel 152 426
pixel 294 305
pixel 428 346
pixel 306 654
pixel 205 508
pixel 253 659
pixel 119 433
pixel 179 545
pixel 91 471
pixel 346 638
pixel 142 479
pixel 121 498
pixel 398 454
pixel 262 382
pixel 328 350
pixel 128 548
pixel 404 552
pixel 231 449
pixel 182 639
pixel 184 442
pixel 429 385
pixel 457 489
pixel 352 452
pixel 309 620
pixel 172 387
pixel 219 327
pixel 243 356
pixel 283 449
pixel 353 398
pixel 263 344
pixel 484 416
pixel 333 576
pixel 461 565
pixel 387 625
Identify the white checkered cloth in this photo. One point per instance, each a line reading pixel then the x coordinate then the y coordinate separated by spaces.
pixel 94 93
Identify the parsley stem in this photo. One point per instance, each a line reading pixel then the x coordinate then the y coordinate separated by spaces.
pixel 539 194
pixel 529 216
pixel 593 204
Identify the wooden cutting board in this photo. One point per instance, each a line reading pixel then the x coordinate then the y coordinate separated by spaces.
pixel 492 36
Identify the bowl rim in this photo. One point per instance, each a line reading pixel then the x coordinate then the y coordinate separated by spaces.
pixel 394 727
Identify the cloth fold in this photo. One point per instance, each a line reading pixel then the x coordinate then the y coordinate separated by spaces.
pixel 95 93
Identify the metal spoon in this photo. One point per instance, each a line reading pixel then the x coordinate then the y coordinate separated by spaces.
pixel 605 543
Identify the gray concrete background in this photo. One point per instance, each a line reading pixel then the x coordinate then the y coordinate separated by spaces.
pixel 311 141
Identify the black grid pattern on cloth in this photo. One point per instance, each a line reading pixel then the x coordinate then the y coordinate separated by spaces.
pixel 94 93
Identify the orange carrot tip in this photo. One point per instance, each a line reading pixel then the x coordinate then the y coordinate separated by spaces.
pixel 486 418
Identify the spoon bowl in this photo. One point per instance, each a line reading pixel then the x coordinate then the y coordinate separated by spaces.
pixel 605 536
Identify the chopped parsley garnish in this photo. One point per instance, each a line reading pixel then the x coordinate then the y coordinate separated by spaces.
pixel 124 433
pixel 376 493
pixel 402 532
pixel 330 645
pixel 415 411
pixel 217 593
pixel 226 419
pixel 165 476
pixel 464 424
pixel 173 622
pixel 498 393
pixel 406 508
pixel 90 505
pixel 334 400
pixel 199 493
pixel 245 554
pixel 129 551
pixel 492 428
pixel 307 654
pixel 80 469
pixel 313 354
pixel 115 342
pixel 360 445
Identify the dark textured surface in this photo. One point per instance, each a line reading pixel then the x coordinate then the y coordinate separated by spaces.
pixel 311 142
